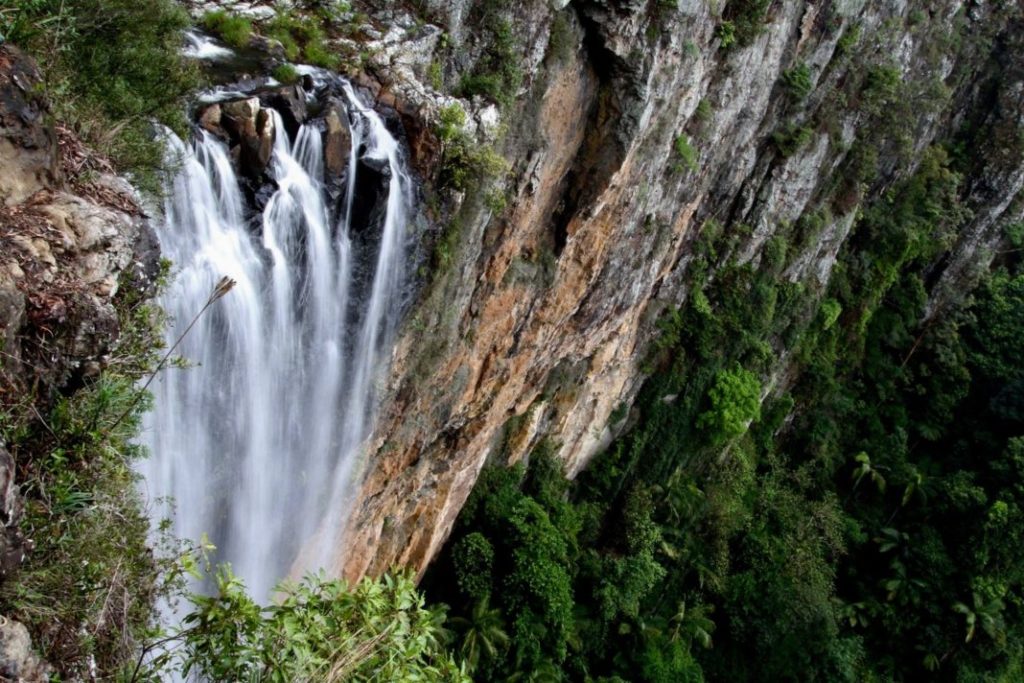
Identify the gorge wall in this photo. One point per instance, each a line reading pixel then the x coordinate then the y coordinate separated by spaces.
pixel 633 131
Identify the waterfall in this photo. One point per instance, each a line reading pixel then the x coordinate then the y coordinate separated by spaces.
pixel 254 444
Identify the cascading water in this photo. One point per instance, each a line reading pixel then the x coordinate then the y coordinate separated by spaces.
pixel 255 444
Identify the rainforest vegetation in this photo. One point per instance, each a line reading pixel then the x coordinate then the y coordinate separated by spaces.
pixel 860 518
pixel 865 524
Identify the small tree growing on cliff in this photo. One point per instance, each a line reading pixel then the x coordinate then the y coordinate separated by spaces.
pixel 735 401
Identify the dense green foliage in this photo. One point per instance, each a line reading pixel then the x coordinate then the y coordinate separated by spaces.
pixel 377 630
pixel 861 526
pixel 111 68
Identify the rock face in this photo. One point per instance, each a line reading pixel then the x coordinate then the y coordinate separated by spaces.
pixel 248 127
pixel 634 127
pixel 17 661
pixel 27 149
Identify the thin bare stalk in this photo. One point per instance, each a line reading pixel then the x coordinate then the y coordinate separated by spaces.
pixel 224 286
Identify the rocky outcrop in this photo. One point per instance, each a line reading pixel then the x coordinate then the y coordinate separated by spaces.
pixel 635 126
pixel 67 243
pixel 17 661
pixel 248 127
pixel 27 151
pixel 13 544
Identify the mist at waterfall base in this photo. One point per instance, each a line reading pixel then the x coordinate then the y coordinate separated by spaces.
pixel 254 444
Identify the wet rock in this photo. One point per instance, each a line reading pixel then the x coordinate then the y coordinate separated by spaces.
pixel 239 117
pixel 209 120
pixel 337 139
pixel 369 202
pixel 273 49
pixel 264 139
pixel 290 102
pixel 249 127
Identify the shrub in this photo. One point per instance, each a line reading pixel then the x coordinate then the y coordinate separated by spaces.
pixel 466 163
pixel 473 557
pixel 830 310
pixel 775 251
pixel 496 75
pixel 791 138
pixel 1015 234
pixel 747 18
pixel 848 40
pixel 111 67
pixel 881 88
pixel 435 76
pixel 302 38
pixel 687 155
pixel 735 400
pixel 562 40
pixel 703 111
pixel 377 630
pixel 232 29
pixel 451 120
pixel 726 33
pixel 87 588
pixel 317 54
pixel 285 73
pixel 797 81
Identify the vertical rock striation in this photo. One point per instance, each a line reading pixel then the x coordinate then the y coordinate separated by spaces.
pixel 636 128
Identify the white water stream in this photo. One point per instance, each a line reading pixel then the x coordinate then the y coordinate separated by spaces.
pixel 255 443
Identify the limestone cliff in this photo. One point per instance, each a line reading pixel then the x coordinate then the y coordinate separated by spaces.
pixel 631 129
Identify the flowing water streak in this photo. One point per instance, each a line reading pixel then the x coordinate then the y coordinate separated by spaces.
pixel 379 319
pixel 200 46
pixel 255 444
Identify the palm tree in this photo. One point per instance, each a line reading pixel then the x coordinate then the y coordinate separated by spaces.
pixel 680 499
pixel 916 487
pixel 483 633
pixel 866 469
pixel 693 624
pixel 987 613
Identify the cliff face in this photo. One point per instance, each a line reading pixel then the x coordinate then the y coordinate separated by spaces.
pixel 635 127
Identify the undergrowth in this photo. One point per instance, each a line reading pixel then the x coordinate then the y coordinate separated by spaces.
pixel 111 69
pixel 86 589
